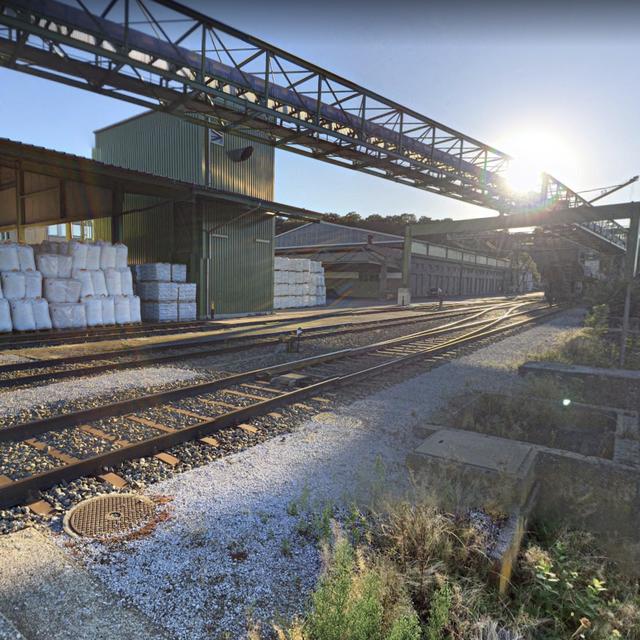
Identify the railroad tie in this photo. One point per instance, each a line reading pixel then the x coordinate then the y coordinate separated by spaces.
pixel 40 508
pixel 219 403
pixel 190 414
pixel 51 451
pixel 242 394
pixel 150 423
pixel 113 479
pixel 260 387
pixel 5 480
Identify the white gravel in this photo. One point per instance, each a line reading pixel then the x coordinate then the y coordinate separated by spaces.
pixel 183 575
pixel 17 400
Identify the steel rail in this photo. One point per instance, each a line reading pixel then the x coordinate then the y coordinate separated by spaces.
pixel 62 421
pixel 245 342
pixel 20 490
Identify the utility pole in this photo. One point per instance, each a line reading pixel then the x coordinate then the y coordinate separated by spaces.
pixel 630 268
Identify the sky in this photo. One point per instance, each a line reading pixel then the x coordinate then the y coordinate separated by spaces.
pixel 555 83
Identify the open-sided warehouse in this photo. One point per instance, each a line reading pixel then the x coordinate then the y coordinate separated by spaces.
pixel 368 264
pixel 225 238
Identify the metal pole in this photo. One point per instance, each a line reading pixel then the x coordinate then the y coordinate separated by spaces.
pixel 406 258
pixel 631 263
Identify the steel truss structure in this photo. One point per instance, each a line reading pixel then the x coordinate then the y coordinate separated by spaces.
pixel 162 55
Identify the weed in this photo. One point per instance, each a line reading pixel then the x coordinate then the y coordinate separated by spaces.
pixel 439 613
pixel 285 548
pixel 292 508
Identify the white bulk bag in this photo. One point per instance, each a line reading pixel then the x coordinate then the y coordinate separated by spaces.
pixel 9 257
pixel 108 310
pixel 114 282
pixel 62 289
pixel 134 304
pixel 22 315
pixel 99 283
pixel 122 309
pixel 121 255
pixel 14 285
pixel 41 314
pixel 25 257
pixel 107 255
pixel 127 281
pixel 33 284
pixel 78 252
pixel 47 264
pixel 65 263
pixel 1 296
pixel 179 272
pixel 6 326
pixel 86 282
pixel 159 311
pixel 67 315
pixel 93 311
pixel 93 257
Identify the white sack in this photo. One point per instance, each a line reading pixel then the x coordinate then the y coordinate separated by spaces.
pixel 47 264
pixel 86 282
pixel 187 292
pixel 127 281
pixel 108 310
pixel 114 282
pixel 41 314
pixel 33 284
pixel 25 257
pixel 281 263
pixel 93 311
pixel 107 255
pixel 22 315
pixel 6 326
pixel 78 252
pixel 67 315
pixel 99 283
pixel 64 266
pixel 9 260
pixel 93 257
pixel 179 272
pixel 14 285
pixel 122 309
pixel 157 291
pixel 121 255
pixel 62 290
pixel 134 303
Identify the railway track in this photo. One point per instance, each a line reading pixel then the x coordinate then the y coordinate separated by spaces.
pixel 151 424
pixel 53 369
pixel 100 334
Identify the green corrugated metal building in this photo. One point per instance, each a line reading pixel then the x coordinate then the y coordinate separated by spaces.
pixel 228 249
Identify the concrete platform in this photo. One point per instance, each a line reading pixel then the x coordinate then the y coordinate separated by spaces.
pixel 580 371
pixel 46 596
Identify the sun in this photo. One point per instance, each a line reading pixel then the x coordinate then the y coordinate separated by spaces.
pixel 534 152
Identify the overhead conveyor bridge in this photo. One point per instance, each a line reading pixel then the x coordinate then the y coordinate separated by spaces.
pixel 220 77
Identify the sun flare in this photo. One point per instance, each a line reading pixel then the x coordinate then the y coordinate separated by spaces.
pixel 534 152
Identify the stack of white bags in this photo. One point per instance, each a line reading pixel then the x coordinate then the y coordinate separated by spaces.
pixel 298 282
pixel 86 284
pixel 166 295
pixel 21 305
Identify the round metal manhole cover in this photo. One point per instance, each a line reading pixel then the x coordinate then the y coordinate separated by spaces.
pixel 114 514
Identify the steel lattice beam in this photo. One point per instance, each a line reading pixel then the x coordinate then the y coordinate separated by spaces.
pixel 215 75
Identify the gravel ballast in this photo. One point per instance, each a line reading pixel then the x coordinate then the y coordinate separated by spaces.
pixel 237 546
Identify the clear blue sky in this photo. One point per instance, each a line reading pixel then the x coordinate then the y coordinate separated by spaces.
pixel 492 71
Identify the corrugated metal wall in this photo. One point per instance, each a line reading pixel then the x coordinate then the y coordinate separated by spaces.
pixel 148 234
pixel 241 259
pixel 168 146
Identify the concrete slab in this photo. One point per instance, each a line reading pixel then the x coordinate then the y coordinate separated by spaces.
pixel 46 596
pixel 579 371
pixel 475 449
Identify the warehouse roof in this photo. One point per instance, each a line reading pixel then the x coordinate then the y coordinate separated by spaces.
pixel 54 186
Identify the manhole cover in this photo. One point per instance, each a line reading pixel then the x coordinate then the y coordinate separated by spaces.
pixel 109 515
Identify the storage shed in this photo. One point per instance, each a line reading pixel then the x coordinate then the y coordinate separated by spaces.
pixel 228 247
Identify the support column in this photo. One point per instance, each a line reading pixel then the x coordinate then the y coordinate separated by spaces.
pixel 20 203
pixel 630 268
pixel 404 292
pixel 117 233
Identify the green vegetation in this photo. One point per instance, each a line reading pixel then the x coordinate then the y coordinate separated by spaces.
pixel 424 575
pixel 591 346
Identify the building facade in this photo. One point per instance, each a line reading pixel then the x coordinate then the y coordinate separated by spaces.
pixel 361 263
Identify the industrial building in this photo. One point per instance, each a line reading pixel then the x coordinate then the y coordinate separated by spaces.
pixel 361 263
